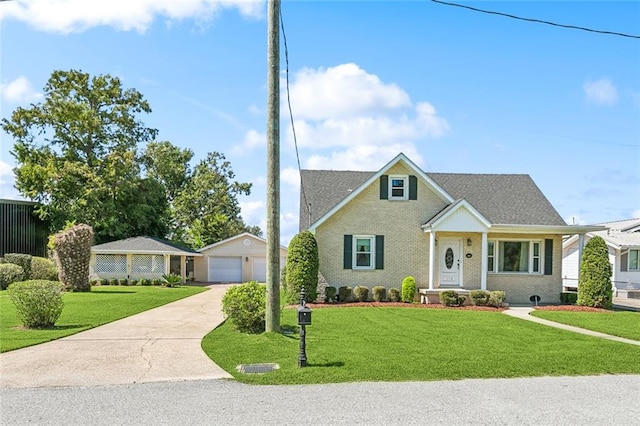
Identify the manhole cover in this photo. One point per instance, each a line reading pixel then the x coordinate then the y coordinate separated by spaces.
pixel 257 368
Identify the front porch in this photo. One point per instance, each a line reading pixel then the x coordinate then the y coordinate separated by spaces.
pixel 432 296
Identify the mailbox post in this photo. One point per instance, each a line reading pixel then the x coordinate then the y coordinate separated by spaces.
pixel 304 319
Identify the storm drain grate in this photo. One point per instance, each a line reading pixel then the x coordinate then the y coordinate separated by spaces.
pixel 257 368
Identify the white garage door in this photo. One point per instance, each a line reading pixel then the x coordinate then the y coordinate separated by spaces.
pixel 260 269
pixel 225 269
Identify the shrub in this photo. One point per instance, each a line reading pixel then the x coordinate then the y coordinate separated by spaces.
pixel 134 282
pixel 496 298
pixel 330 294
pixel 72 249
pixel 104 281
pixel 594 285
pixel 43 269
pixel 408 289
pixel 393 295
pixel 244 305
pixel 361 293
pixel 302 267
pixel 38 302
pixel 10 273
pixel 94 282
pixel 113 281
pixel 157 281
pixel 172 280
pixel 379 293
pixel 145 282
pixel 22 260
pixel 568 298
pixel 479 297
pixel 122 281
pixel 345 294
pixel 452 298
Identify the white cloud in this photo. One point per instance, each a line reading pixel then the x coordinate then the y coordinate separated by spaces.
pixel 291 177
pixel 252 140
pixel 636 214
pixel 19 91
pixel 351 119
pixel 68 16
pixel 600 92
pixel 7 190
pixel 253 212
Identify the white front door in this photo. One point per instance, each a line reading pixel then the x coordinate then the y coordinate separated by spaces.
pixel 450 262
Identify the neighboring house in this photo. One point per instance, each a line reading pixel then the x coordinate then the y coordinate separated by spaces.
pixel 21 231
pixel 237 259
pixel 623 243
pixel 449 231
pixel 141 257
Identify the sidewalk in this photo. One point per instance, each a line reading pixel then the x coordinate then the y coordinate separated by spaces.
pixel 157 345
pixel 523 313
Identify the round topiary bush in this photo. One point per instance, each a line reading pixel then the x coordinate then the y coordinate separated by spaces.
pixel 479 297
pixel 38 302
pixel 20 259
pixel 10 273
pixel 43 269
pixel 408 289
pixel 345 293
pixel 330 294
pixel 594 285
pixel 244 306
pixel 393 295
pixel 379 293
pixel 361 293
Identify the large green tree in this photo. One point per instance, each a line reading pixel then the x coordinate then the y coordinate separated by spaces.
pixel 77 157
pixel 206 210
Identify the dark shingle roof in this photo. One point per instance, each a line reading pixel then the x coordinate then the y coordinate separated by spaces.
pixel 143 245
pixel 506 199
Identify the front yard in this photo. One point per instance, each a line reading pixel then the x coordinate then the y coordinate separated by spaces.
pixel 616 323
pixel 86 310
pixel 411 344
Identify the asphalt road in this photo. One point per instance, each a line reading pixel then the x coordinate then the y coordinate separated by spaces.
pixel 598 400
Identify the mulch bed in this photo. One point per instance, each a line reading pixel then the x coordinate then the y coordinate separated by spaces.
pixel 572 308
pixel 403 305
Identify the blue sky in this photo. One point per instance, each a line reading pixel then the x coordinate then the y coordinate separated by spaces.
pixel 455 90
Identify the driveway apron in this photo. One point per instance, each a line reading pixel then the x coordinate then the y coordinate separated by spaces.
pixel 162 344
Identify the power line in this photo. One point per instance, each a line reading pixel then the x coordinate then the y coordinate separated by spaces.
pixel 293 128
pixel 539 21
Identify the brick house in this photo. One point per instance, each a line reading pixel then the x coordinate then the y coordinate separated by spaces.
pixel 448 231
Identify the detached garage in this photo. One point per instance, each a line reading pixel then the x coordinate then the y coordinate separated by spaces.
pixel 237 259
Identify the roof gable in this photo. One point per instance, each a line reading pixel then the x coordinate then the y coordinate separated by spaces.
pixel 344 195
pixel 460 217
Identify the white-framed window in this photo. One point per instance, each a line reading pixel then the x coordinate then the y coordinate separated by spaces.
pixel 514 256
pixel 111 263
pixel 398 187
pixel 634 260
pixel 364 251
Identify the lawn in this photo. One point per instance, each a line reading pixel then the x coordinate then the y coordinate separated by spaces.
pixel 86 310
pixel 617 323
pixel 349 344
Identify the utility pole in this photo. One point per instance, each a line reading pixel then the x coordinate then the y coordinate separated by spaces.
pixel 272 317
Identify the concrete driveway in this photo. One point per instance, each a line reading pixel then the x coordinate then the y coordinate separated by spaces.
pixel 162 344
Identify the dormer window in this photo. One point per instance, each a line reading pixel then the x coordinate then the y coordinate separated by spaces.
pixel 398 187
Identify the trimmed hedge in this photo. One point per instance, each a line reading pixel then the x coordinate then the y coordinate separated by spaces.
pixel 301 268
pixel 22 260
pixel 568 298
pixel 10 273
pixel 379 293
pixel 345 294
pixel 244 306
pixel 361 293
pixel 43 269
pixel 594 286
pixel 452 298
pixel 393 295
pixel 38 302
pixel 479 297
pixel 496 298
pixel 330 294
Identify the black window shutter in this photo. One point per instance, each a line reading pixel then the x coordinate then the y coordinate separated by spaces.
pixel 548 257
pixel 348 243
pixel 384 187
pixel 624 262
pixel 413 187
pixel 379 251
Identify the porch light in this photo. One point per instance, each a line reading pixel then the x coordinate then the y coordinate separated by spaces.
pixel 468 242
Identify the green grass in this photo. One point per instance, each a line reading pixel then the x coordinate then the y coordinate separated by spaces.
pixel 86 310
pixel 404 344
pixel 622 324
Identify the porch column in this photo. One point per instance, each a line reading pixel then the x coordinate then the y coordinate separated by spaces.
pixel 483 262
pixel 432 256
pixel 183 267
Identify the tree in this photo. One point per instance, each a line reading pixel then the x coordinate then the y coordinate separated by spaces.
pixel 302 267
pixel 206 210
pixel 594 285
pixel 77 156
